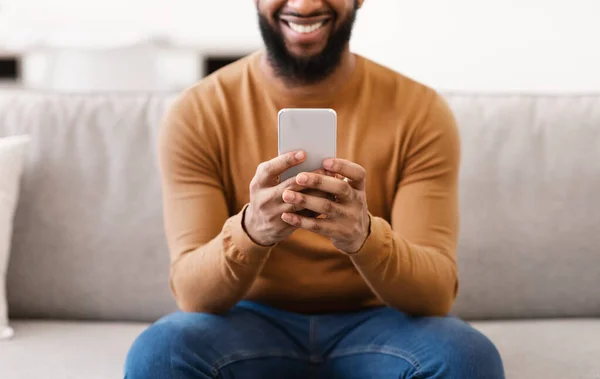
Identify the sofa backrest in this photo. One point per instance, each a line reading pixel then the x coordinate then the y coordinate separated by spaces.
pixel 89 243
pixel 530 206
pixel 88 236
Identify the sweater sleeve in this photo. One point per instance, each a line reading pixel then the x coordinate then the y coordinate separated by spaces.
pixel 410 263
pixel 213 260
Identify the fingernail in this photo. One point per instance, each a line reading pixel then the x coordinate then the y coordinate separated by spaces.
pixel 288 196
pixel 328 163
pixel 301 178
pixel 299 155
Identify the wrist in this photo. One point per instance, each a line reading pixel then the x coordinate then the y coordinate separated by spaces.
pixel 248 226
pixel 363 237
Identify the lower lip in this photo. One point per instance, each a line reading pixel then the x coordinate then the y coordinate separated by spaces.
pixel 305 38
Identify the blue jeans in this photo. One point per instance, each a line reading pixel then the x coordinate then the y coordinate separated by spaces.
pixel 256 341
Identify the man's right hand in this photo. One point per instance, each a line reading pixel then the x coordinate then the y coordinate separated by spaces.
pixel 262 220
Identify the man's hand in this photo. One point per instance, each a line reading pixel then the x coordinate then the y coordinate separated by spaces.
pixel 314 192
pixel 262 220
pixel 347 219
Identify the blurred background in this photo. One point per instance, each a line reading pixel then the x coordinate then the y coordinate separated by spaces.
pixel 82 230
pixel 471 45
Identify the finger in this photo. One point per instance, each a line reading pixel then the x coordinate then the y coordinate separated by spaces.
pixel 350 170
pixel 315 225
pixel 289 208
pixel 296 209
pixel 291 185
pixel 268 171
pixel 343 190
pixel 317 204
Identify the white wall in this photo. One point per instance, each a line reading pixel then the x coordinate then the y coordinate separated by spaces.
pixel 499 45
pixel 118 22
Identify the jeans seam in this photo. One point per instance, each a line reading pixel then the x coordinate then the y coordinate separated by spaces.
pixel 248 355
pixel 171 359
pixel 312 338
pixel 381 349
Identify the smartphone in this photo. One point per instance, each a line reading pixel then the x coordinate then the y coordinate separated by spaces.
pixel 313 130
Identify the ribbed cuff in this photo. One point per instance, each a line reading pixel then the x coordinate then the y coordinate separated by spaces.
pixel 377 246
pixel 238 245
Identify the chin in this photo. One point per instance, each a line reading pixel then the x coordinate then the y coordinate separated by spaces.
pixel 305 53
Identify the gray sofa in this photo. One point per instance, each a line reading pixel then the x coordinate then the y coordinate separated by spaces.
pixel 89 263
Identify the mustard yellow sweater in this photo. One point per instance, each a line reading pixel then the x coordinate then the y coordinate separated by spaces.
pixel 218 131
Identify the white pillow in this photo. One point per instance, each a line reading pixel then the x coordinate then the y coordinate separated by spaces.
pixel 12 160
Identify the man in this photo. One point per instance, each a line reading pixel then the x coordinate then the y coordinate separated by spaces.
pixel 266 288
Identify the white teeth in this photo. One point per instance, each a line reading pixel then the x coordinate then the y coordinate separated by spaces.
pixel 305 28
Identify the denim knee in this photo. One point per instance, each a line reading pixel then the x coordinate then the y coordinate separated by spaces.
pixel 487 359
pixel 468 354
pixel 151 354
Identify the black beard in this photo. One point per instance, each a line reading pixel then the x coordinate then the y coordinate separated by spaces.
pixel 305 70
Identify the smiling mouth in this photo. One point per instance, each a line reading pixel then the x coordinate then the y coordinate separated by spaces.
pixel 305 25
pixel 305 29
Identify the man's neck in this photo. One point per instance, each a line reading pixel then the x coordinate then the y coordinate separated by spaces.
pixel 326 86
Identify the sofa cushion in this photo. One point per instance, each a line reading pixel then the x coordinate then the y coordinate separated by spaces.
pixel 12 156
pixel 550 349
pixel 67 350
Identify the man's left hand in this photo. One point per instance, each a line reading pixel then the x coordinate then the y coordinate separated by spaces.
pixel 346 220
